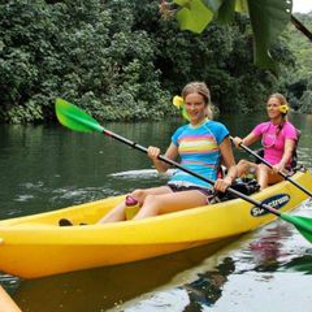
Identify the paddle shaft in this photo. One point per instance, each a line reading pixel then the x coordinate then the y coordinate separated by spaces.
pixel 176 165
pixel 284 175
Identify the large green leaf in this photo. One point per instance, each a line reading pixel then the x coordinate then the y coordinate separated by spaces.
pixel 241 6
pixel 214 5
pixel 268 19
pixel 194 15
pixel 228 8
pixel 226 12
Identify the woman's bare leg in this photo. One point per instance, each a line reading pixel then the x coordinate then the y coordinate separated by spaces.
pixel 118 213
pixel 244 166
pixel 170 202
pixel 263 176
pixel 267 176
pixel 274 177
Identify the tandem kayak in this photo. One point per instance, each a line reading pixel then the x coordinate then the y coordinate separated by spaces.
pixel 36 246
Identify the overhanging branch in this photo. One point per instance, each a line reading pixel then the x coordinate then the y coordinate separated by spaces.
pixel 301 27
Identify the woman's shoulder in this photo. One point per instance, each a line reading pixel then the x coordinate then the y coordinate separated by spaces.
pixel 219 130
pixel 180 129
pixel 215 124
pixel 290 130
pixel 289 125
pixel 262 126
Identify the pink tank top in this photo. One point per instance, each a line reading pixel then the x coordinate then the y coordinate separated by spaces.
pixel 273 139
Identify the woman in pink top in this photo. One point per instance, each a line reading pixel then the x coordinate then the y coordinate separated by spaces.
pixel 278 138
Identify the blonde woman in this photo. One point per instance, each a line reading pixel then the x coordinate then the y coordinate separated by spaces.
pixel 278 138
pixel 201 144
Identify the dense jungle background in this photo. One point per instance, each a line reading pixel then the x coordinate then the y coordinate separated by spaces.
pixel 124 60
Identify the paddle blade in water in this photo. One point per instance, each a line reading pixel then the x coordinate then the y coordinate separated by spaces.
pixel 303 225
pixel 75 119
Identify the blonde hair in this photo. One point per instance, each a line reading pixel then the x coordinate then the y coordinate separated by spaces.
pixel 202 89
pixel 280 97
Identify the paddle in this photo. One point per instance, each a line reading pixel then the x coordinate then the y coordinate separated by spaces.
pixel 75 119
pixel 281 173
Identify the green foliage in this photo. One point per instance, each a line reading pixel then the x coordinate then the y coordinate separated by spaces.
pixel 301 46
pixel 306 102
pixel 222 57
pixel 267 18
pixel 78 50
pixel 296 78
pixel 119 60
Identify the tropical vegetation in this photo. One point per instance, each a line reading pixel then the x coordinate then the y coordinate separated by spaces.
pixel 124 60
pixel 297 80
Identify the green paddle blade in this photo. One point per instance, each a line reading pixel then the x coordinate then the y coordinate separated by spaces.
pixel 75 119
pixel 303 225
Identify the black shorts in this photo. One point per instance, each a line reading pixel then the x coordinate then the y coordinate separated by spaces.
pixel 208 192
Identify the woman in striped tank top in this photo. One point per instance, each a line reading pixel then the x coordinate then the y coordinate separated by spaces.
pixel 201 145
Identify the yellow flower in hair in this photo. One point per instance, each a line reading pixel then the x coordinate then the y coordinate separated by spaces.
pixel 283 108
pixel 178 101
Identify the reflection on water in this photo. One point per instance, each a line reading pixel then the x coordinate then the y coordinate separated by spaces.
pixel 267 251
pixel 47 167
pixel 299 264
pixel 207 288
pixel 104 288
pixel 262 264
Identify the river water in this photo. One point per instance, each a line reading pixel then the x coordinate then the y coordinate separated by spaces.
pixel 44 168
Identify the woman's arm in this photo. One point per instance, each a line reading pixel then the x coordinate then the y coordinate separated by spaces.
pixel 288 153
pixel 229 161
pixel 248 140
pixel 154 152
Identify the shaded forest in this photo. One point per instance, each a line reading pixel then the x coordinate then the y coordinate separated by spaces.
pixel 298 79
pixel 122 60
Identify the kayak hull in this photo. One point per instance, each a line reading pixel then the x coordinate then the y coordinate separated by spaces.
pixel 35 246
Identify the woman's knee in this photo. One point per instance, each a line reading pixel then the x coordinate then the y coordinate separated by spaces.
pixel 242 166
pixel 263 168
pixel 139 195
pixel 243 163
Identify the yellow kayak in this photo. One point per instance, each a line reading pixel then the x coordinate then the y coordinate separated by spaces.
pixel 36 246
